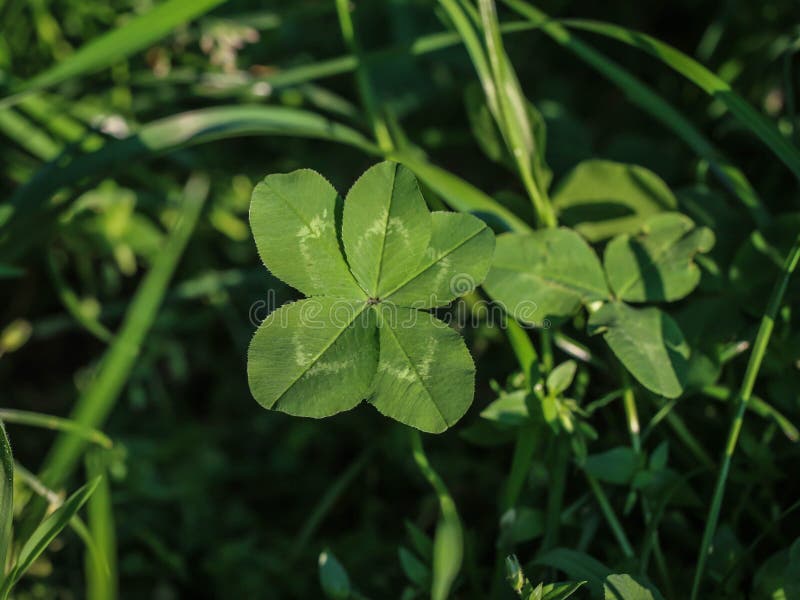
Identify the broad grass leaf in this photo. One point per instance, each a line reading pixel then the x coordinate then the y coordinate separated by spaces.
pixel 386 227
pixel 544 275
pixel 456 261
pixel 6 495
pixel 49 529
pixel 617 465
pixel 649 344
pixel 426 376
pixel 601 198
pixel 625 587
pixel 293 218
pixel 657 264
pixel 314 358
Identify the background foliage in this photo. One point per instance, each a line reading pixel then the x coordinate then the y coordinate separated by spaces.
pixel 102 264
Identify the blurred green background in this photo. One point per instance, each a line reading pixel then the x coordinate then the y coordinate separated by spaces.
pixel 213 496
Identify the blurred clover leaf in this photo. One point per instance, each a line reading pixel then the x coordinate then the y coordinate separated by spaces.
pixel 369 265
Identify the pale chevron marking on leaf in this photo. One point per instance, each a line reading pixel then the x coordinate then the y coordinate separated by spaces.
pixel 310 226
pixel 327 368
pixel 320 353
pixel 435 258
pixel 396 225
pixel 412 368
pixel 403 374
pixel 427 358
pixel 301 356
pixel 314 230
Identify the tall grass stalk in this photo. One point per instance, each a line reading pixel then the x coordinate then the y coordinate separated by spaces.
pixel 750 375
pixel 97 401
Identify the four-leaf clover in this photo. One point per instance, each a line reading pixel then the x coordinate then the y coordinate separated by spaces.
pixel 369 269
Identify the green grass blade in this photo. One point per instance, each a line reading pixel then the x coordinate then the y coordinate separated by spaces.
pixel 29 137
pixel 710 83
pixel 758 406
pixel 23 417
pixel 365 88
pixel 98 399
pixel 746 390
pixel 6 496
pixel 472 43
pixel 101 577
pixel 448 543
pixel 653 104
pixel 112 47
pixel 610 515
pixel 24 211
pixel 47 531
pixel 514 121
pixel 75 523
pixel 326 503
pixel 26 215
pixel 331 67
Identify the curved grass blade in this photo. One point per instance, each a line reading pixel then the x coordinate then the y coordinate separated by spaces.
pixel 514 119
pixel 110 48
pixel 710 83
pixel 25 217
pixel 35 419
pixel 22 214
pixel 653 104
pixel 47 531
pixel 77 525
pixel 6 496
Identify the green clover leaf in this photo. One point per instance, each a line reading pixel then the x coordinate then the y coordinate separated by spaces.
pixel 368 265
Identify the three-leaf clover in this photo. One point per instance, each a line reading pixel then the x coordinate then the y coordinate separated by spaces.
pixel 369 268
pixel 558 272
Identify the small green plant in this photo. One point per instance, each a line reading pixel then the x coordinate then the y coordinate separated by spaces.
pixel 363 333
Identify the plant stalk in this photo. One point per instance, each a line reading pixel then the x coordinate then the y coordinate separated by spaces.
pixel 750 375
